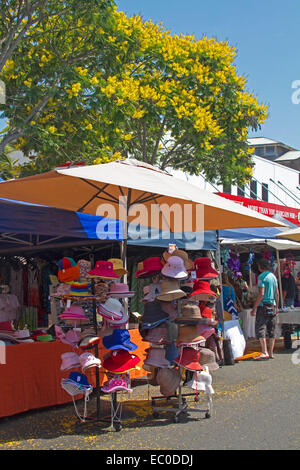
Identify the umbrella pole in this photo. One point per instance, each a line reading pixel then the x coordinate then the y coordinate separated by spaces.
pixel 279 278
pixel 218 256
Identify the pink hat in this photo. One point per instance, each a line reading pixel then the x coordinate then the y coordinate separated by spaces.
pixel 157 357
pixel 88 360
pixel 116 384
pixel 175 268
pixel 70 360
pixel 204 269
pixel 120 291
pixel 71 337
pixel 158 335
pixel 150 292
pixel 103 269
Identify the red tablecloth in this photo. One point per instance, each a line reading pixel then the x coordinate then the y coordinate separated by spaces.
pixel 31 376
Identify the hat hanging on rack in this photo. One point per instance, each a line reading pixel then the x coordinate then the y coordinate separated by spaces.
pixel 149 267
pixel 175 269
pixel 188 263
pixel 103 270
pixel 170 290
pixel 118 266
pixel 204 269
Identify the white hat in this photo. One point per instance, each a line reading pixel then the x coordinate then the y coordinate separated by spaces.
pixel 88 360
pixel 202 381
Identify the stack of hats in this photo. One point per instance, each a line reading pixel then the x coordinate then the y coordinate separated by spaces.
pixel 78 381
pixel 120 361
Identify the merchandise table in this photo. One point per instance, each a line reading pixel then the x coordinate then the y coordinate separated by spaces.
pixel 31 376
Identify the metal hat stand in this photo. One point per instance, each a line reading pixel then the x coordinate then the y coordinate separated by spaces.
pixel 181 405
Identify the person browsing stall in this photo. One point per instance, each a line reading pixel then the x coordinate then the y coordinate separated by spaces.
pixel 265 309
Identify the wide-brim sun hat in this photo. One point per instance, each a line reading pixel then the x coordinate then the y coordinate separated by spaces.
pixel 112 309
pixel 149 267
pixel 103 270
pixel 119 339
pixel 120 291
pixel 189 359
pixel 204 269
pixel 202 290
pixel 88 360
pixel 120 361
pixel 170 290
pixel 153 315
pixel 188 334
pixel 175 269
pixel 116 384
pixel 118 266
pixel 188 263
pixel 156 357
pixel 190 313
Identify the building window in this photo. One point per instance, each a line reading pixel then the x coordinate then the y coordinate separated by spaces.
pixel 265 192
pixel 241 191
pixel 227 188
pixel 270 150
pixel 253 189
pixel 259 151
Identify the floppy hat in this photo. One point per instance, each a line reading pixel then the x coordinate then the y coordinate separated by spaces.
pixel 68 270
pixel 202 291
pixel 153 315
pixel 189 359
pixel 190 312
pixel 188 263
pixel 112 309
pixel 156 357
pixel 204 269
pixel 104 270
pixel 168 380
pixel 69 360
pixel 158 335
pixel 201 381
pixel 208 358
pixel 119 339
pixel 170 290
pixel 79 380
pixel 150 267
pixel 117 384
pixel 88 360
pixel 120 361
pixel 120 291
pixel 118 266
pixel 74 312
pixel 188 334
pixel 71 337
pixel 84 267
pixel 175 268
pixel 79 289
pixel 151 291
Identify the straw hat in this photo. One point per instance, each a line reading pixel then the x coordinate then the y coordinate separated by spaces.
pixel 118 266
pixel 191 313
pixel 169 381
pixel 208 358
pixel 188 263
pixel 188 334
pixel 170 290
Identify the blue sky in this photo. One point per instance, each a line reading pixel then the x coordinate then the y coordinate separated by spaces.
pixel 266 34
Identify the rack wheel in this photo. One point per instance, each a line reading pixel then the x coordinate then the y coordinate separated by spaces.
pixel 118 427
pixel 207 415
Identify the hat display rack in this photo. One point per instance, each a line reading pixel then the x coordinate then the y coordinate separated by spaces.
pixel 170 325
pixel 93 298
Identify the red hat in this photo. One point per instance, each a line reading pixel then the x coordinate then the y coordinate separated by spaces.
pixel 189 359
pixel 103 269
pixel 150 267
pixel 204 269
pixel 206 312
pixel 202 288
pixel 120 361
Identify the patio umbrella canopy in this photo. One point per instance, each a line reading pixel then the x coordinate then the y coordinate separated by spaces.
pixel 291 234
pixel 87 188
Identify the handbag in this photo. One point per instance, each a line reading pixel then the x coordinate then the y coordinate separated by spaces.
pixel 269 310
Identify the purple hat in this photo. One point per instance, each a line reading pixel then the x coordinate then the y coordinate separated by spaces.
pixel 175 268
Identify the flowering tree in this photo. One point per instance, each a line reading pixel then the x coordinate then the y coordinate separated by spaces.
pixel 114 86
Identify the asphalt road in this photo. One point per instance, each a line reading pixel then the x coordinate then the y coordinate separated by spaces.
pixel 256 406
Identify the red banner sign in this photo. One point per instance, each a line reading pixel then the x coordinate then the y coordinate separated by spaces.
pixel 267 208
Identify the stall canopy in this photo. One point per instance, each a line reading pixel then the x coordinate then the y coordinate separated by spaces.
pixel 279 245
pixel 27 225
pixel 86 189
pixel 291 234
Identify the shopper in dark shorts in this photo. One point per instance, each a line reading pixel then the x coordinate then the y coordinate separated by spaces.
pixel 265 309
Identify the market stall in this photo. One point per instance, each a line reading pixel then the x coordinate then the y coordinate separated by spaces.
pixel 283 256
pixel 84 189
